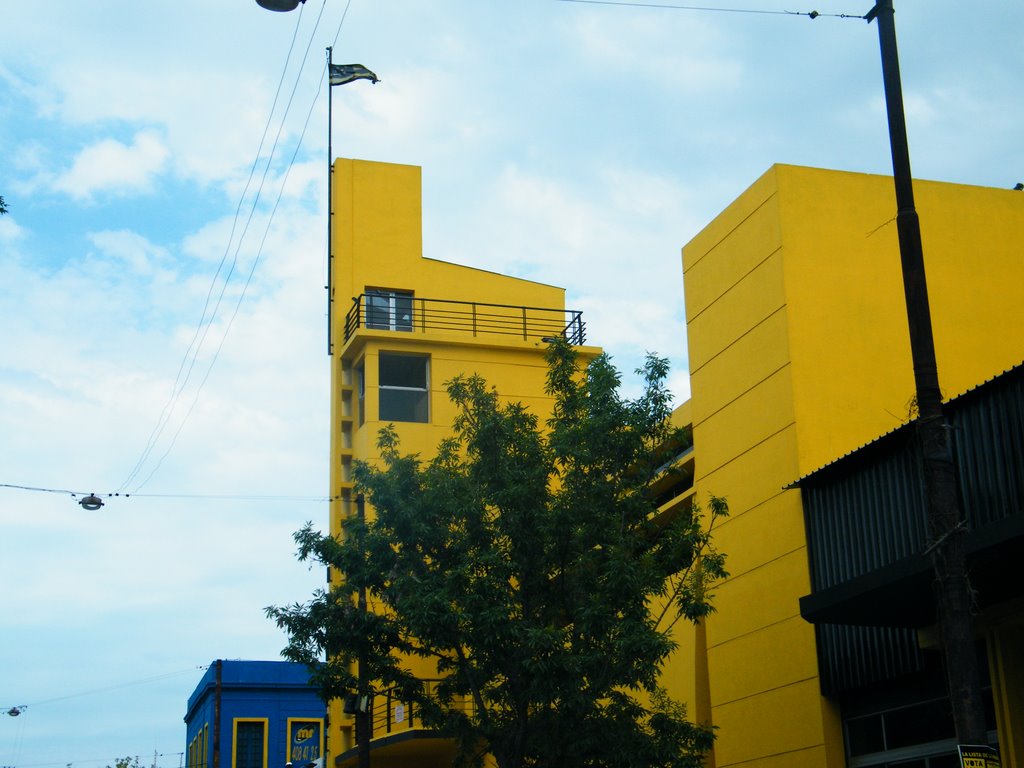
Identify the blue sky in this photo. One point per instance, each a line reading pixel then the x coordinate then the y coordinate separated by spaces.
pixel 577 144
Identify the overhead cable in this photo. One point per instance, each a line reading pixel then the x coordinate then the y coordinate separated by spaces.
pixel 673 6
pixel 190 358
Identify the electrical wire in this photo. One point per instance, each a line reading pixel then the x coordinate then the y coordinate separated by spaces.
pixel 672 6
pixel 116 687
pixel 19 732
pixel 337 32
pixel 34 488
pixel 256 260
pixel 77 761
pixel 190 358
pixel 205 323
pixel 212 496
pixel 270 221
pixel 202 328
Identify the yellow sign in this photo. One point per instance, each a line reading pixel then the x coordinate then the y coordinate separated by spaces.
pixel 978 756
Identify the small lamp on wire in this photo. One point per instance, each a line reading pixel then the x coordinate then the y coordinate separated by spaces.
pixel 92 502
pixel 279 5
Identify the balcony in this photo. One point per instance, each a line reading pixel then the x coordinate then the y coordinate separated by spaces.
pixel 395 721
pixel 408 314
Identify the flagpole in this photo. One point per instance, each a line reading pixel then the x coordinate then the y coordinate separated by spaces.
pixel 336 75
pixel 330 209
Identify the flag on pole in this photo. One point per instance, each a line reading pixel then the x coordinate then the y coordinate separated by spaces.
pixel 346 73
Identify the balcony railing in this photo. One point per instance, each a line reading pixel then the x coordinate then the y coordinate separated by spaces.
pixel 418 315
pixel 391 713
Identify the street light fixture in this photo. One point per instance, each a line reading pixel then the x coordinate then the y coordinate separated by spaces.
pixel 92 502
pixel 279 5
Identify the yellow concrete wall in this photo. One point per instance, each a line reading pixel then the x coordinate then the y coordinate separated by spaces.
pixel 377 243
pixel 799 354
pixel 1006 666
pixel 850 348
pixel 517 372
pixel 760 653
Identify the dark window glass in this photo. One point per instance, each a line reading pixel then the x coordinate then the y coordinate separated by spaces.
pixel 404 394
pixel 919 724
pixel 406 371
pixel 249 745
pixel 402 304
pixel 389 310
pixel 378 311
pixel 990 710
pixel 864 735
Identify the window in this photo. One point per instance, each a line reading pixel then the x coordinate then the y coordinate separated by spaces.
pixel 250 748
pixel 389 310
pixel 917 735
pixel 404 394
pixel 197 748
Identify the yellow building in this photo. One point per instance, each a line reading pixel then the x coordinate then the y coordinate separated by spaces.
pixel 799 355
pixel 402 325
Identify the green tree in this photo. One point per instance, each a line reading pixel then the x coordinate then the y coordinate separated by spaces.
pixel 3 206
pixel 125 762
pixel 532 567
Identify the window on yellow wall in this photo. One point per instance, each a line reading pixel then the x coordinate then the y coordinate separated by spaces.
pixel 403 387
pixel 250 747
pixel 389 310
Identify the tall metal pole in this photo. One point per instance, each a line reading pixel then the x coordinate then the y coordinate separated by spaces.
pixel 945 529
pixel 364 706
pixel 330 208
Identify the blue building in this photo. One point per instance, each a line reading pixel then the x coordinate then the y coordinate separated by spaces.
pixel 254 714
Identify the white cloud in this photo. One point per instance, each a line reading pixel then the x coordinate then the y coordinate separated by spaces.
pixel 618 230
pixel 9 229
pixel 921 107
pixel 114 167
pixel 574 144
pixel 131 248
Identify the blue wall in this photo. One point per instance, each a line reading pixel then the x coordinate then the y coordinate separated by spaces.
pixel 274 693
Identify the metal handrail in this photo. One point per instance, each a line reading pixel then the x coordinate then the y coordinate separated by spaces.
pixel 472 317
pixel 386 717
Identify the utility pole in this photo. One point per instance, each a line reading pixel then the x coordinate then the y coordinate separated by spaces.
pixel 364 705
pixel 330 202
pixel 946 525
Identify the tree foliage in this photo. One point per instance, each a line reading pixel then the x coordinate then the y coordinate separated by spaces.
pixel 530 565
pixel 3 206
